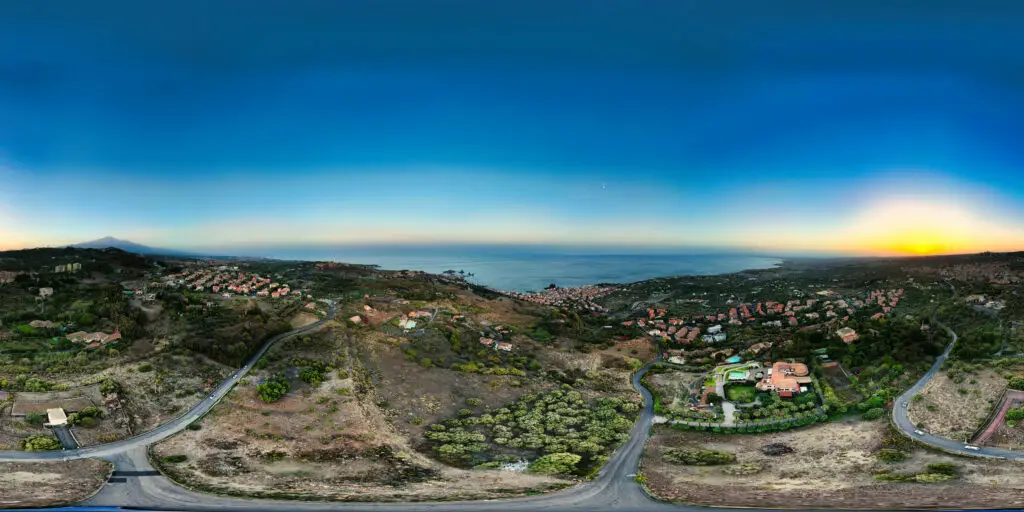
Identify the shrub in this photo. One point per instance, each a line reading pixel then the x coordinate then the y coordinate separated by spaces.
pixel 1016 383
pixel 943 468
pixel 873 414
pixel 465 413
pixel 174 459
pixel 416 421
pixel 1015 414
pixel 35 418
pixel 110 387
pixel 473 402
pixel 37 385
pixel 426 362
pixel 194 426
pixel 697 457
pixel 145 367
pixel 311 376
pixel 40 443
pixel 561 463
pixel 891 455
pixel 273 389
pixel 895 477
pixel 933 477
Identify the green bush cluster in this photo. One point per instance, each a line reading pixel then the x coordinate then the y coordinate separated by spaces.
pixel 873 414
pixel 688 457
pixel 40 443
pixel 273 389
pixel 86 417
pixel 1015 414
pixel 174 459
pixel 557 422
pixel 933 473
pixel 312 376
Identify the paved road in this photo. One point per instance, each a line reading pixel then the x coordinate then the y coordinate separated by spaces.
pixel 613 489
pixel 901 416
pixel 167 429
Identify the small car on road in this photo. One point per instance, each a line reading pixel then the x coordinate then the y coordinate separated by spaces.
pixel 971 447
pixel 918 432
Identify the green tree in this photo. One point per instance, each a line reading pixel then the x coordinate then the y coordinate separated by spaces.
pixel 561 463
pixel 312 376
pixel 273 389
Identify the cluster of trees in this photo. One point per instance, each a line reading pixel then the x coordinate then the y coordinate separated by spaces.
pixel 558 422
pixel 230 336
pixel 900 339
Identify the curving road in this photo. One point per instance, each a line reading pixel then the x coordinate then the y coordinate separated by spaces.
pixel 901 416
pixel 614 489
pixel 174 426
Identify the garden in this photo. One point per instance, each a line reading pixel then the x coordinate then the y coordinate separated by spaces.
pixel 740 393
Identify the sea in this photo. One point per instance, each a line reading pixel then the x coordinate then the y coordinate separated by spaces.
pixel 525 271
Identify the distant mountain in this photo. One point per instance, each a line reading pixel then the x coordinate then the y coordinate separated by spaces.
pixel 125 245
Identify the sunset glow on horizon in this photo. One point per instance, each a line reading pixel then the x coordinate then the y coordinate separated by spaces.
pixel 371 129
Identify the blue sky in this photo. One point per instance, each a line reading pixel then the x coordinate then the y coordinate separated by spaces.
pixel 791 125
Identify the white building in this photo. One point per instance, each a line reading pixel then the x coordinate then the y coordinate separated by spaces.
pixel 714 329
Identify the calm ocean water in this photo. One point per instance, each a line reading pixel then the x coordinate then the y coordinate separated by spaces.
pixel 526 271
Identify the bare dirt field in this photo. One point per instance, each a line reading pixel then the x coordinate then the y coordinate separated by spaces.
pixel 831 466
pixel 323 444
pixel 50 484
pixel 956 410
pixel 344 440
pixel 674 387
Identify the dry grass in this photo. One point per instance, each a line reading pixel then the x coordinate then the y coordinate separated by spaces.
pixel 674 387
pixel 326 443
pixel 832 467
pixel 946 412
pixel 50 484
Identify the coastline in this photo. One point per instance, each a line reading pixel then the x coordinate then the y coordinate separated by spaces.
pixel 534 272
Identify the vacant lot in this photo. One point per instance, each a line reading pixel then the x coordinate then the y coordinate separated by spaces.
pixel 356 436
pixel 676 388
pixel 956 410
pixel 50 484
pixel 831 466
